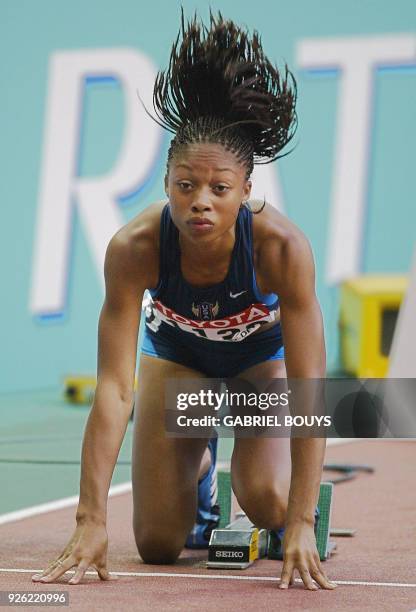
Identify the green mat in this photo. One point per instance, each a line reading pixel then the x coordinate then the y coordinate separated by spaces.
pixel 324 524
pixel 224 497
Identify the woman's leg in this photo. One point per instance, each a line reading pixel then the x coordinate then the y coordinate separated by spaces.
pixel 261 467
pixel 165 470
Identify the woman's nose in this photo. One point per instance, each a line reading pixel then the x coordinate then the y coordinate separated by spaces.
pixel 201 201
pixel 200 206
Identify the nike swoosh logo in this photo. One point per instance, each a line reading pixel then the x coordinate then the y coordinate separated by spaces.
pixel 234 295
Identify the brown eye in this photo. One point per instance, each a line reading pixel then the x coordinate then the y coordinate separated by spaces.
pixel 221 188
pixel 184 186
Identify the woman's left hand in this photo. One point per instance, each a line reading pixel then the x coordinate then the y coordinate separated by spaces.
pixel 300 552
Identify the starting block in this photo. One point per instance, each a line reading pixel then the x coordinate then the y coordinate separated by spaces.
pixel 80 389
pixel 237 546
pixel 240 543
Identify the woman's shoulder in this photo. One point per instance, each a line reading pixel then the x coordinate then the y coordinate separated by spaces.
pixel 141 233
pixel 279 248
pixel 144 227
pixel 136 244
pixel 271 224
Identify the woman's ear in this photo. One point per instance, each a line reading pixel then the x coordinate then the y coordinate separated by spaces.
pixel 166 185
pixel 247 190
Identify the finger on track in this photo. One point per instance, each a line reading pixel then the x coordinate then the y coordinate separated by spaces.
pixel 59 570
pixel 80 571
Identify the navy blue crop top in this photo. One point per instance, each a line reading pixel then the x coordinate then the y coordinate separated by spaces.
pixel 228 311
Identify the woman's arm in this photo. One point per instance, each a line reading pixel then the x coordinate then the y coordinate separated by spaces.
pixel 288 260
pixel 125 278
pixel 303 336
pixel 129 269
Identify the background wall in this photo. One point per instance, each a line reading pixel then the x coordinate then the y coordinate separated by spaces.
pixel 41 341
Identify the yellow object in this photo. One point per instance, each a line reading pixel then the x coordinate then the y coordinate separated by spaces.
pixel 254 546
pixel 369 309
pixel 80 389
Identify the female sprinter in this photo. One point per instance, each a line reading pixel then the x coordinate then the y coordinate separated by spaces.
pixel 205 256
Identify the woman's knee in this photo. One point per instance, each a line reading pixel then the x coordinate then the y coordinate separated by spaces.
pixel 264 503
pixel 158 547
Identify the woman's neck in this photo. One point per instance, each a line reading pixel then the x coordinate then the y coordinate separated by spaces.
pixel 207 255
pixel 206 265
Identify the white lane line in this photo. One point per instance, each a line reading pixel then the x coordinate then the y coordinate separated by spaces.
pixel 338 441
pixel 215 577
pixel 58 504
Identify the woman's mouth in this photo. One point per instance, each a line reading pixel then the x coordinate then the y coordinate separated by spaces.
pixel 200 224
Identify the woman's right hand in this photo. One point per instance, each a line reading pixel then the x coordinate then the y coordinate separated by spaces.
pixel 87 547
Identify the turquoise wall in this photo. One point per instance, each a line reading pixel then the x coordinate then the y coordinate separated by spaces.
pixel 37 352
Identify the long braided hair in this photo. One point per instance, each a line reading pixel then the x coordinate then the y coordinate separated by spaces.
pixel 220 88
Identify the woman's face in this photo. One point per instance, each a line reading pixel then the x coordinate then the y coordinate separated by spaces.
pixel 205 185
